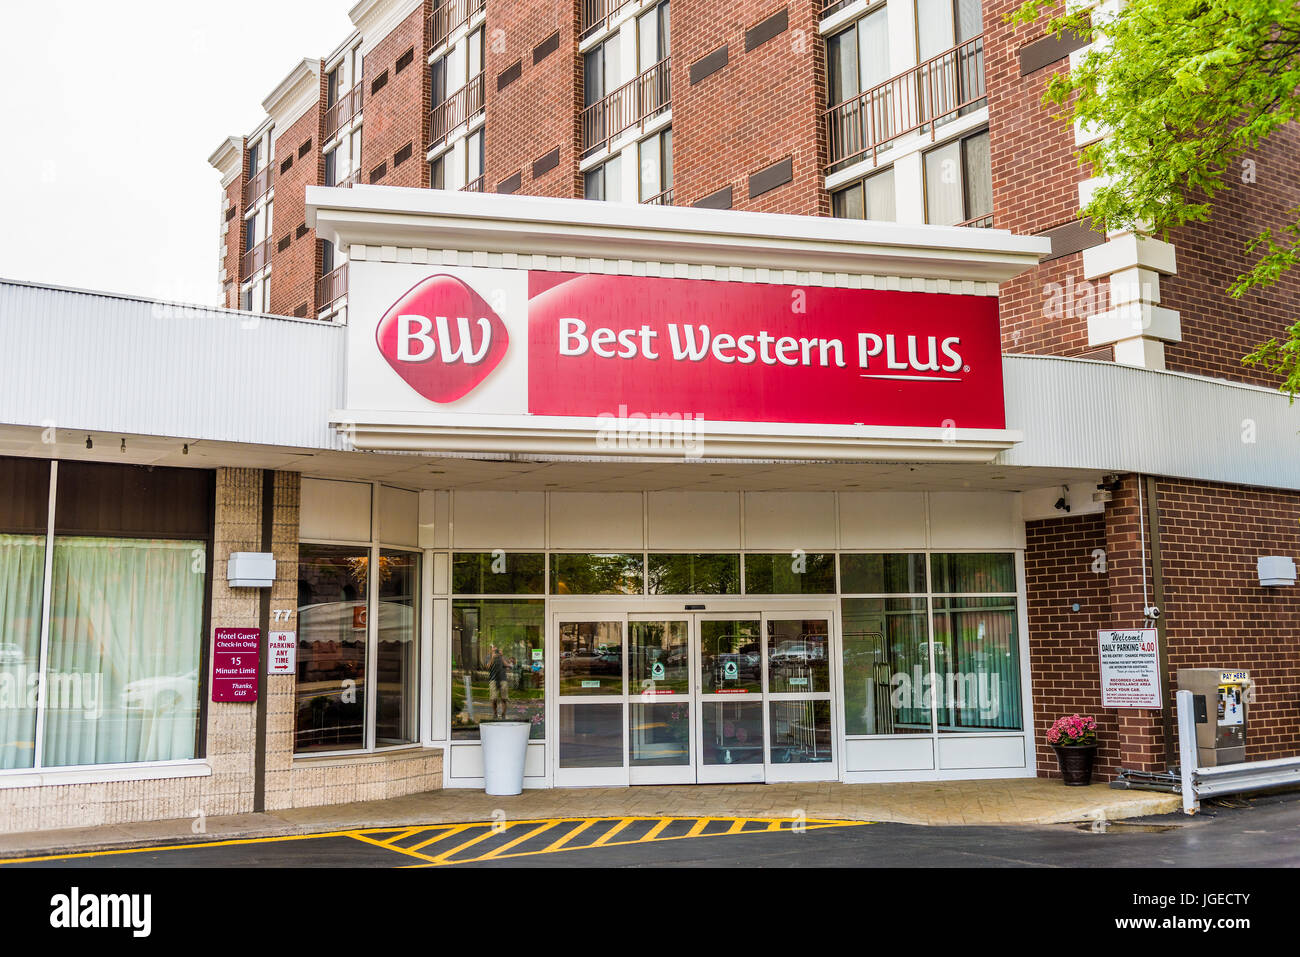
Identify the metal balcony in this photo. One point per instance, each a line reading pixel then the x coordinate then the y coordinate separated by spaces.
pixel 460 107
pixel 331 287
pixel 937 90
pixel 473 186
pixel 630 105
pixel 340 114
pixel 596 14
pixel 255 260
pixel 447 18
pixel 259 184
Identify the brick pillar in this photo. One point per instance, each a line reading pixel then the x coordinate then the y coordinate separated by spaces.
pixel 284 598
pixel 1141 737
pixel 231 727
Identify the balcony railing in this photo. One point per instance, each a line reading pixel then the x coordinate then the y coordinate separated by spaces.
pixel 331 287
pixel 259 184
pixel 460 107
pixel 340 114
pixel 350 180
pixel 447 18
pixel 937 90
pixel 597 13
pixel 631 104
pixel 979 222
pixel 473 186
pixel 255 260
pixel 660 199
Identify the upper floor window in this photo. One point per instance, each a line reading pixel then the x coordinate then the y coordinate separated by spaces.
pixel 656 172
pixel 869 198
pixel 944 24
pixel 857 58
pixel 959 183
pixel 254 157
pixel 605 181
pixel 653 37
pixel 601 71
pixel 474 156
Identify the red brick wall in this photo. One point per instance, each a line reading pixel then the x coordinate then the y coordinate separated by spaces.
pixel 1059 556
pixel 399 113
pixel 1219 330
pixel 762 107
pixel 1215 612
pixel 1035 185
pixel 540 110
pixel 293 271
pixel 235 229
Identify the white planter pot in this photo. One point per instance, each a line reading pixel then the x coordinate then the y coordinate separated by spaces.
pixel 505 746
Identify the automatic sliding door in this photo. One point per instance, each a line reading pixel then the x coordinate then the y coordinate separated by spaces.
pixel 591 702
pixel 730 675
pixel 800 726
pixel 660 712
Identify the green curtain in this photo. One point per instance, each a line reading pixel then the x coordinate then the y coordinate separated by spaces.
pixel 980 664
pixel 126 620
pixel 22 582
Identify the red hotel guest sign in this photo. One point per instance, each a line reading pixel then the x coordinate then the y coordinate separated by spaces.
pixel 234 664
pixel 756 352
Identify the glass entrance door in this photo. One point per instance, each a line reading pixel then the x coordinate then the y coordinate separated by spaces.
pixel 685 698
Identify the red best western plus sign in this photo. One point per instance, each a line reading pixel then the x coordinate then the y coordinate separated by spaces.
pixel 722 351
pixel 752 352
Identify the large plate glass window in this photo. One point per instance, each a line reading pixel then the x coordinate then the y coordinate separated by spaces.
pixel 790 573
pixel 596 574
pixel 693 574
pixel 977 642
pixel 480 628
pixel 333 585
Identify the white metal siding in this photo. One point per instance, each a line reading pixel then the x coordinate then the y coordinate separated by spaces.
pixel 104 363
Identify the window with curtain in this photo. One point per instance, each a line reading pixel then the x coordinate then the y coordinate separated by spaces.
pixel 396 658
pixel 977 642
pixel 870 198
pixel 122 680
pixel 959 182
pixel 22 583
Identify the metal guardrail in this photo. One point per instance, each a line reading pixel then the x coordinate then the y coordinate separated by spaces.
pixel 447 18
pixel 636 101
pixel 259 184
pixel 1198 783
pixel 934 91
pixel 596 14
pixel 460 107
pixel 345 107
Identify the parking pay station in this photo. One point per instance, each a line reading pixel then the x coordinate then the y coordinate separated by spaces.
pixel 1220 701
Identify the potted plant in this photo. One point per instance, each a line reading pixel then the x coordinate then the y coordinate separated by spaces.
pixel 505 747
pixel 1074 739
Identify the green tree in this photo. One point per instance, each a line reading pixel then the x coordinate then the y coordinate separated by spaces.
pixel 1186 90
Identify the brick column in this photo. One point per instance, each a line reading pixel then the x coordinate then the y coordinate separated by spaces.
pixel 284 597
pixel 1141 738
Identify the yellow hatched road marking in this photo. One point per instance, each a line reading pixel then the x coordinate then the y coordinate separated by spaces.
pixel 607 837
pixel 519 840
pixel 657 829
pixel 387 841
pixel 454 829
pixel 488 831
pixel 570 836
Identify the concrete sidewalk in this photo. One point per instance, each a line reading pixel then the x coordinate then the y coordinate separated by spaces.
pixel 1024 801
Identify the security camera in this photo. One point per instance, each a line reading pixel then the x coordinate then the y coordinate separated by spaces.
pixel 1151 612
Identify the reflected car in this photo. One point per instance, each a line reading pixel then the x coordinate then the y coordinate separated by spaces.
pixel 161 694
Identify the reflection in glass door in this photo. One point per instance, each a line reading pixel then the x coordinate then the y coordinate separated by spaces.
pixel 591 702
pixel 799 697
pixel 731 699
pixel 660 712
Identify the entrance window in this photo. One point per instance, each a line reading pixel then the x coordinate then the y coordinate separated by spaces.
pixel 790 573
pixel 515 627
pixel 499 573
pixel 702 574
pixel 333 582
pixel 596 574
pixel 886 655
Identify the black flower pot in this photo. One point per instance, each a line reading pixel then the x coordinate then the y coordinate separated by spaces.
pixel 1075 761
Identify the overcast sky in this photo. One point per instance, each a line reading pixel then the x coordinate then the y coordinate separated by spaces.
pixel 112 112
